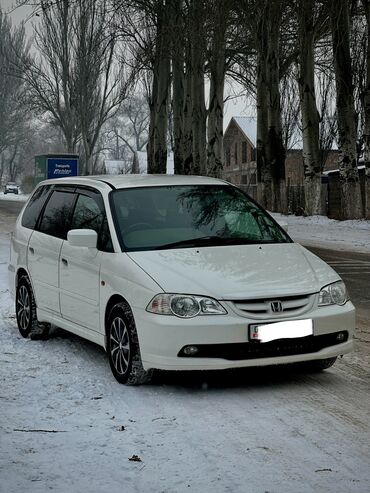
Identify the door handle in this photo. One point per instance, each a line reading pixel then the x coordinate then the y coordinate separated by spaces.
pixel 65 262
pixel 31 250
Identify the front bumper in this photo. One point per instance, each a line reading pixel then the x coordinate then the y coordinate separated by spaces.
pixel 162 338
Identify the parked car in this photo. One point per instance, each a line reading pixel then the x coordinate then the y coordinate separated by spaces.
pixel 11 187
pixel 173 273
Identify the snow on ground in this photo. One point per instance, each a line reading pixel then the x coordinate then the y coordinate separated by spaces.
pixel 321 231
pixel 66 425
pixel 20 197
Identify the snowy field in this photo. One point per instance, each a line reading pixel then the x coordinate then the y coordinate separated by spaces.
pixel 20 197
pixel 324 232
pixel 66 425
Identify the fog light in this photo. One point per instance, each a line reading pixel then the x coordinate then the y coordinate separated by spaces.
pixel 190 350
pixel 341 336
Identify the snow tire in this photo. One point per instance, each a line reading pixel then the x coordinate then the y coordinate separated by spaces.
pixel 25 309
pixel 123 347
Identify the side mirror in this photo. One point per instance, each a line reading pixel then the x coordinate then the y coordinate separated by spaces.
pixel 82 238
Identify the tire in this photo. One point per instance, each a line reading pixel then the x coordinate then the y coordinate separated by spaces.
pixel 321 364
pixel 25 310
pixel 123 347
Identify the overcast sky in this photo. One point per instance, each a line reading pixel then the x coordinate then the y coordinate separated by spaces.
pixel 21 13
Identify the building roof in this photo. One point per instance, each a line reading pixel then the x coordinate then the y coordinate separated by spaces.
pixel 248 125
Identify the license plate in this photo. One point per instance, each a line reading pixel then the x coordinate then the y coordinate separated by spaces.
pixel 281 330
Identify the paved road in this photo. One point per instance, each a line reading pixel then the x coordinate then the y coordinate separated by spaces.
pixel 10 207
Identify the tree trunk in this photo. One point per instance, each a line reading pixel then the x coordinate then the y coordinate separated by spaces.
pixel 12 165
pixel 310 116
pixel 348 172
pixel 216 93
pixel 152 113
pixel 178 61
pixel 157 146
pixel 275 152
pixel 264 178
pixel 187 116
pixel 366 136
pixel 199 112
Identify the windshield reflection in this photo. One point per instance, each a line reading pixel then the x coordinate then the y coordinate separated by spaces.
pixel 190 216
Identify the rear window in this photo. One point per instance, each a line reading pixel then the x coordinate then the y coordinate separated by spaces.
pixel 57 213
pixel 34 207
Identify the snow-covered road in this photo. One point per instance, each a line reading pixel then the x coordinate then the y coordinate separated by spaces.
pixel 66 425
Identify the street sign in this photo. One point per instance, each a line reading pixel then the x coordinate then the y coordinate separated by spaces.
pixel 49 166
pixel 62 167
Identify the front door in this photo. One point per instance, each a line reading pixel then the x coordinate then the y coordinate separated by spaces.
pixel 80 266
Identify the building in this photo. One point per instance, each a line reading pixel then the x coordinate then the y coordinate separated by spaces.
pixel 240 141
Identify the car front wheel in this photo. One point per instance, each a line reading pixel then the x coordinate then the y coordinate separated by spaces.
pixel 123 347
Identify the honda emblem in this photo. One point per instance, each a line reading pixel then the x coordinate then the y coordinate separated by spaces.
pixel 276 306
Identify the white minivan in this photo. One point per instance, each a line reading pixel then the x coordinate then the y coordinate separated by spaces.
pixel 173 273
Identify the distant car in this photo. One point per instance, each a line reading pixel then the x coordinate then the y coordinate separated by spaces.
pixel 11 187
pixel 173 273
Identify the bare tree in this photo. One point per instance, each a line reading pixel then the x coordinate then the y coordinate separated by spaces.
pixel 310 115
pixel 366 134
pixel 50 77
pixel 348 172
pixel 220 18
pixel 127 131
pixel 13 116
pixel 77 79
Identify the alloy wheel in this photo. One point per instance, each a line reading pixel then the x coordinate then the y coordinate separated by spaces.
pixel 119 345
pixel 23 308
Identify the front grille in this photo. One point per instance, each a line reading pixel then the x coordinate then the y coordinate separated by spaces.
pixel 263 308
pixel 254 350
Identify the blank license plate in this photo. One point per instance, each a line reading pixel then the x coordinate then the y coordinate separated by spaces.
pixel 281 330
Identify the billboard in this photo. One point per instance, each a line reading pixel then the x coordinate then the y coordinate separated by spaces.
pixel 62 167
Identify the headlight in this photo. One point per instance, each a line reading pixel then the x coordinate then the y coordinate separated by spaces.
pixel 184 305
pixel 333 294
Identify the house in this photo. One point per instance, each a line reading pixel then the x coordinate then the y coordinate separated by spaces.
pixel 240 141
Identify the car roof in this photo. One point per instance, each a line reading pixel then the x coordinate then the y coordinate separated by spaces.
pixel 134 181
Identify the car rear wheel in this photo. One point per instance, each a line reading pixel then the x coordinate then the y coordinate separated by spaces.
pixel 25 309
pixel 123 347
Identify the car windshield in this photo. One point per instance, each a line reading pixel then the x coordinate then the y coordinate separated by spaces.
pixel 165 217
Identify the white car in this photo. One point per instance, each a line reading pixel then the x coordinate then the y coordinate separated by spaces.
pixel 11 187
pixel 173 273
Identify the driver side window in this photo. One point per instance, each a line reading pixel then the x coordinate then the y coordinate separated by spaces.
pixel 88 214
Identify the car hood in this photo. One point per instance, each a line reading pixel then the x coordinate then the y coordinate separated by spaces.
pixel 237 272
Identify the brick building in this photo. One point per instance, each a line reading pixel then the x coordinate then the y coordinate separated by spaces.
pixel 240 167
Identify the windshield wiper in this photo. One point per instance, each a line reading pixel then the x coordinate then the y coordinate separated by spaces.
pixel 208 241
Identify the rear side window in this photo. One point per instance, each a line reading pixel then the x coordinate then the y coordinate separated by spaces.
pixel 56 216
pixel 34 207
